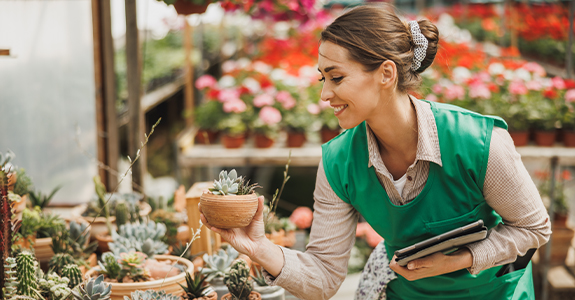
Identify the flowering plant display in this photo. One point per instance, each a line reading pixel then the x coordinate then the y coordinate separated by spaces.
pixel 302 217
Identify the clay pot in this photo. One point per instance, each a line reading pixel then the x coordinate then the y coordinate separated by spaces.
pixel 545 138
pixel 170 285
pixel 295 139
pixel 229 211
pixel 262 141
pixel 43 249
pixel 569 138
pixel 206 137
pixel 210 296
pixel 520 138
pixel 233 142
pixel 328 134
pixel 252 296
pixel 103 240
pixel 270 292
pixel 28 242
pixel 92 262
pixel 185 7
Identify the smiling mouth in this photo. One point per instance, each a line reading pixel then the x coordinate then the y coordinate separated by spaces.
pixel 338 109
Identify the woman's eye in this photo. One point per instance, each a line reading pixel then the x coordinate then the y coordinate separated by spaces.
pixel 322 79
pixel 337 79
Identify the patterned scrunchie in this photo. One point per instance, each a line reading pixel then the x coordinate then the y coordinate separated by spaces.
pixel 420 42
pixel 375 276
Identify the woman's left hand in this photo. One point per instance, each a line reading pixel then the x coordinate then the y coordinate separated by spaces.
pixel 433 265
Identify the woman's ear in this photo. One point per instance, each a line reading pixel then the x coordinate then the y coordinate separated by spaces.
pixel 388 71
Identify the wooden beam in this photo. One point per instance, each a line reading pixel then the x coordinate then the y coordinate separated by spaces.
pixel 5 52
pixel 136 125
pixel 569 52
pixel 189 71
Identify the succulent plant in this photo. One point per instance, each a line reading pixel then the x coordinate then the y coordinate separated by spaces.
pixel 259 277
pixel 122 213
pixel 26 265
pixel 58 261
pixel 227 184
pixel 93 289
pixel 42 200
pixel 144 238
pixel 54 287
pixel 237 280
pixel 217 265
pixel 151 295
pixel 109 265
pixel 79 237
pixel 6 158
pixel 73 273
pixel 132 264
pixel 11 284
pixel 196 287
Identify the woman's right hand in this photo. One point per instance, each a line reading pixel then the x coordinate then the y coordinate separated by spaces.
pixel 248 240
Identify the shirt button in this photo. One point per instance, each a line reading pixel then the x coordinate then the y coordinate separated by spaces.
pixel 409 178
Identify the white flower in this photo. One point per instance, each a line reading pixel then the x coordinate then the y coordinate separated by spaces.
pixel 243 63
pixel 509 75
pixel 252 85
pixel 277 74
pixel 523 74
pixel 229 66
pixel 496 68
pixel 227 81
pixel 460 74
pixel 262 67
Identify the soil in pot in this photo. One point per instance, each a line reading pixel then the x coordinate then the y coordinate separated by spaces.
pixel 295 139
pixel 545 138
pixel 227 211
pixel 520 138
pixel 233 142
pixel 263 141
pixel 252 296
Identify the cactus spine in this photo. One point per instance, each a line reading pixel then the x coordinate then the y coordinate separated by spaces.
pixel 58 261
pixel 26 266
pixel 11 285
pixel 73 273
pixel 122 214
pixel 6 225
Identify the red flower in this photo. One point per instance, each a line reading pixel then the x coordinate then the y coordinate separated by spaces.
pixel 550 93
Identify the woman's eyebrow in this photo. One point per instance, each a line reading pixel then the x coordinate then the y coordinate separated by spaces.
pixel 328 69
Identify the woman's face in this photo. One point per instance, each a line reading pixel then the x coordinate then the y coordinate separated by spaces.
pixel 352 92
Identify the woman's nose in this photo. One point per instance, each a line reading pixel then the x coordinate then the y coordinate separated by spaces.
pixel 326 93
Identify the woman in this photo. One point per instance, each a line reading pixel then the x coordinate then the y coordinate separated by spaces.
pixel 413 169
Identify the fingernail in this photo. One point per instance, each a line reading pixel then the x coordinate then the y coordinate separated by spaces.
pixel 410 266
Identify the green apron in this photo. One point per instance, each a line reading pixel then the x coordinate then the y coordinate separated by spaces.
pixel 452 197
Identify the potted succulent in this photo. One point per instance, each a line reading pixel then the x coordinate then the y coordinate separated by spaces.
pixel 238 283
pixel 234 130
pixel 231 203
pixel 93 289
pixel 207 116
pixel 197 288
pixel 75 241
pixel 41 200
pixel 26 235
pixel 22 185
pixel 266 291
pixel 145 238
pixel 216 266
pixel 172 220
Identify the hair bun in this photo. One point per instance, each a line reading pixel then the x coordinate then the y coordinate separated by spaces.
pixel 430 31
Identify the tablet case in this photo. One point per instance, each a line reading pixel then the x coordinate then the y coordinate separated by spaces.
pixel 446 242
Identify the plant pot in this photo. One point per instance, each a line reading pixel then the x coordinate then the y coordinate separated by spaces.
pixel 270 292
pixel 253 296
pixel 12 180
pixel 170 285
pixel 206 137
pixel 295 139
pixel 92 262
pixel 219 287
pixel 99 225
pixel 289 239
pixel 328 134
pixel 210 296
pixel 233 142
pixel 545 138
pixel 569 138
pixel 227 212
pixel 263 141
pixel 103 240
pixel 184 7
pixel 27 242
pixel 520 138
pixel 43 249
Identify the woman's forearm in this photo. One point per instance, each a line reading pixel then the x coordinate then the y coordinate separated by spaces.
pixel 270 257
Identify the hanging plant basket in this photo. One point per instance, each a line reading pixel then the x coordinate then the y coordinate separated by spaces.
pixel 184 7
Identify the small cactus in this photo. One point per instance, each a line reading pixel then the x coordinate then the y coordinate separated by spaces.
pixel 122 213
pixel 73 273
pixel 151 295
pixel 58 261
pixel 94 289
pixel 237 280
pixel 26 265
pixel 54 287
pixel 109 266
pixel 11 284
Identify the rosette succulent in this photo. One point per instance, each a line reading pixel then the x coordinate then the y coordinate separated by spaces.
pixel 94 289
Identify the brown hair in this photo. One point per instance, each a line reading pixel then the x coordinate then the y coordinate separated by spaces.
pixel 374 33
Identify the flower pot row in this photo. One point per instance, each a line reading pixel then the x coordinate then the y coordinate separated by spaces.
pixel 293 140
pixel 543 138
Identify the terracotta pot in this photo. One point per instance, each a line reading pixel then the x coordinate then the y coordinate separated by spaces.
pixel 184 7
pixel 43 249
pixel 206 137
pixel 210 296
pixel 232 142
pixel 561 239
pixel 289 239
pixel 27 242
pixel 253 296
pixel 270 292
pixel 277 237
pixel 103 240
pixel 545 138
pixel 229 211
pixel 520 138
pixel 12 180
pixel 170 285
pixel 328 134
pixel 295 139
pixel 569 138
pixel 92 262
pixel 262 141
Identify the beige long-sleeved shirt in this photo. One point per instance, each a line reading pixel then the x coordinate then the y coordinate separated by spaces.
pixel 318 272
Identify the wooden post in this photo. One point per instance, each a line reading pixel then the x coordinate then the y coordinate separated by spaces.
pixel 5 52
pixel 204 242
pixel 569 52
pixel 189 85
pixel 136 125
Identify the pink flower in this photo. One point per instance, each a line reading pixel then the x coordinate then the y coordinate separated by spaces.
pixel 570 96
pixel 313 109
pixel 263 100
pixel 205 81
pixel 437 88
pixel 454 92
pixel 228 94
pixel 235 105
pixel 479 90
pixel 270 115
pixel 285 99
pixel 517 88
pixel 558 83
pixel 534 85
pixel 431 97
pixel 534 68
pixel 302 217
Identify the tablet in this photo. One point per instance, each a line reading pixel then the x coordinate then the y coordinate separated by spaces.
pixel 445 242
